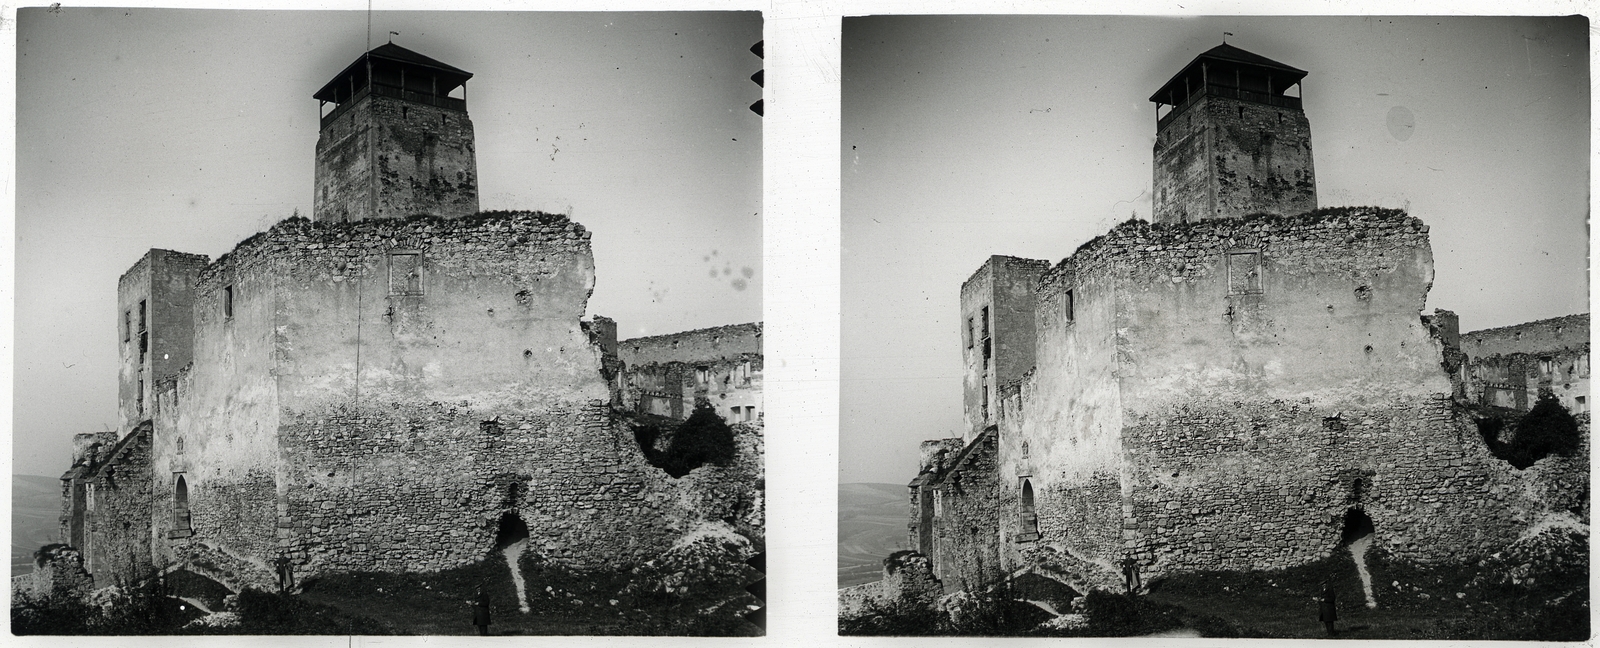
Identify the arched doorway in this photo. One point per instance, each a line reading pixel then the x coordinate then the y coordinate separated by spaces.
pixel 1357 525
pixel 511 530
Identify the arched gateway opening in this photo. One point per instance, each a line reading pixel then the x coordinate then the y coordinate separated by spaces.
pixel 510 539
pixel 1357 537
pixel 1356 526
pixel 511 531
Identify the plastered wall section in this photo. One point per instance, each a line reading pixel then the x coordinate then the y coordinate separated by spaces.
pixel 424 157
pixel 221 436
pixel 1227 158
pixel 1069 418
pixel 1254 421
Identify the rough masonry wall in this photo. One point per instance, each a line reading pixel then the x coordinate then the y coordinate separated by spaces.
pixel 117 516
pixel 424 156
pixel 1316 373
pixel 967 526
pixel 1182 180
pixel 1263 158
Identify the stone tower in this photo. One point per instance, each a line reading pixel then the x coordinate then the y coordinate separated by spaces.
pixel 997 334
pixel 155 300
pixel 396 143
pixel 1231 142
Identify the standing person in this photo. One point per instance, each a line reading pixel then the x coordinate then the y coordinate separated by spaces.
pixel 480 612
pixel 1130 573
pixel 1328 611
pixel 285 573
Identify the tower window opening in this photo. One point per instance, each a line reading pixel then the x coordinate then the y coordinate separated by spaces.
pixel 127 326
pixel 227 301
pixel 1069 307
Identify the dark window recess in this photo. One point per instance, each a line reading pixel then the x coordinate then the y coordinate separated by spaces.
pixel 491 426
pixel 139 397
pixel 227 301
pixel 1069 306
pixel 127 326
pixel 1030 520
pixel 180 505
pixel 142 316
pixel 987 351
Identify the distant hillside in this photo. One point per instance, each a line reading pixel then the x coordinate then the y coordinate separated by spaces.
pixel 35 518
pixel 872 525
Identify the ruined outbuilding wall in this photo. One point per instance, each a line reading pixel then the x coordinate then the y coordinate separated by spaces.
pixel 666 375
pixel 424 156
pixel 967 523
pixel 1507 366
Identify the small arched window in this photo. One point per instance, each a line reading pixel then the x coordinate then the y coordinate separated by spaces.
pixel 1030 521
pixel 180 505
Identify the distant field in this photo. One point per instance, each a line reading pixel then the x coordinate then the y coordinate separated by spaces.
pixel 872 525
pixel 35 518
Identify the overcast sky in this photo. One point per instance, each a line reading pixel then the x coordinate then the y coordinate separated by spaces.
pixel 1026 136
pixel 192 130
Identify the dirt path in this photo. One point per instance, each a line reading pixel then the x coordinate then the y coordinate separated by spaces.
pixel 1358 551
pixel 512 552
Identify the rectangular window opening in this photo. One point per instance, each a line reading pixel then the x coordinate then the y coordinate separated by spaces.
pixel 127 326
pixel 1244 273
pixel 227 301
pixel 1069 307
pixel 405 273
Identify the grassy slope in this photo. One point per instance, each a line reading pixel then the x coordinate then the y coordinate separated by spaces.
pixel 872 525
pixel 35 518
pixel 1446 602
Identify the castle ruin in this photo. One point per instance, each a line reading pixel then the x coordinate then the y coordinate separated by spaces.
pixel 1245 382
pixel 400 383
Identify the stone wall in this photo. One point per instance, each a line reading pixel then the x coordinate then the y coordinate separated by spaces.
pixel 966 525
pixel 907 580
pixel 106 505
pixel 1248 413
pixel 424 156
pixel 385 394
